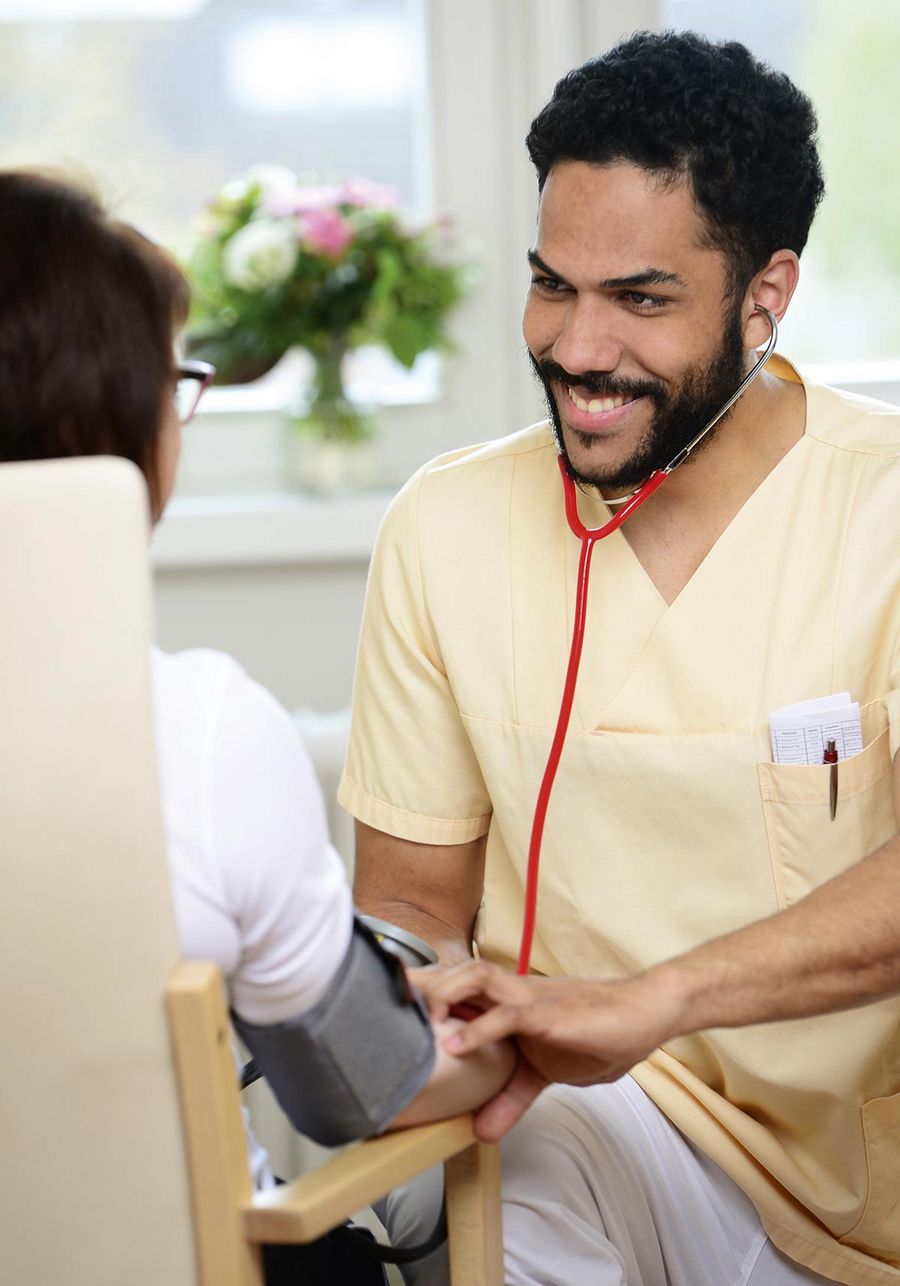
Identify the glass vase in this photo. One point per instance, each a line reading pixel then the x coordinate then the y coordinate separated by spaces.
pixel 330 437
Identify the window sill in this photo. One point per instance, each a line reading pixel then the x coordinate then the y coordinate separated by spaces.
pixel 241 531
pixel 237 444
pixel 871 379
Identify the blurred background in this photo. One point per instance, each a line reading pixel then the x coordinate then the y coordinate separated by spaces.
pixel 162 101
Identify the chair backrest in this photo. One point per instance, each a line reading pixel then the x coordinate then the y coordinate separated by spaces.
pixel 94 1188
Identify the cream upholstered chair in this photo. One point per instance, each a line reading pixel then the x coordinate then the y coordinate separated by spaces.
pixel 98 1187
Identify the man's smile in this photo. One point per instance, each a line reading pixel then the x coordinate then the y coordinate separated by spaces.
pixel 597 403
pixel 586 412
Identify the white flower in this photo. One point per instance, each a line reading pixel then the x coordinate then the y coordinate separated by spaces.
pixel 260 255
pixel 270 179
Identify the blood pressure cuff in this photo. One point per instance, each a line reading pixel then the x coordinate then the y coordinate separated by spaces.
pixel 344 1069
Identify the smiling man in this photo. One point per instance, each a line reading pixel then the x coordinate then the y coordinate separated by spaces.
pixel 717 955
pixel 615 415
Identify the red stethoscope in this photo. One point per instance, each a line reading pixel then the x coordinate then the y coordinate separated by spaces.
pixel 589 538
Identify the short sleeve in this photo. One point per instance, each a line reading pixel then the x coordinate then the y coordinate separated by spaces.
pixel 411 770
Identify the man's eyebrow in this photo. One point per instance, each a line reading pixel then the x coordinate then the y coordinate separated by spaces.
pixel 649 276
pixel 537 262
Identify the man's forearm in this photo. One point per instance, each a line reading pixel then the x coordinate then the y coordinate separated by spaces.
pixel 838 948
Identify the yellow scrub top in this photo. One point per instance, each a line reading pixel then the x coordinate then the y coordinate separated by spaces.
pixel 668 824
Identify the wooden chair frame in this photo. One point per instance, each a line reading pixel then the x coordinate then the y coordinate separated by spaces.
pixel 231 1221
pixel 106 1146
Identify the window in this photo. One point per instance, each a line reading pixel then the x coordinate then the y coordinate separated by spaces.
pixel 845 57
pixel 163 100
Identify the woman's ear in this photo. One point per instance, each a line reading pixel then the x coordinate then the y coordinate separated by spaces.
pixel 772 288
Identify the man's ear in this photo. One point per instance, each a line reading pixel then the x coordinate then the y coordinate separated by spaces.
pixel 772 288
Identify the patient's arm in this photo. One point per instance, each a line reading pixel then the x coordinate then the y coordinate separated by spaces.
pixel 458 1084
pixel 364 1057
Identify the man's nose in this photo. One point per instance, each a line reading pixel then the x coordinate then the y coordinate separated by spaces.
pixel 588 339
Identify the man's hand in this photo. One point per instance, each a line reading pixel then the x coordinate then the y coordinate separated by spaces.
pixel 580 1031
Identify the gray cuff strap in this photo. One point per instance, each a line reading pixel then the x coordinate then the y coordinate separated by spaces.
pixel 344 1069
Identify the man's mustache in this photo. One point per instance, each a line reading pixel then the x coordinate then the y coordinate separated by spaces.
pixel 600 383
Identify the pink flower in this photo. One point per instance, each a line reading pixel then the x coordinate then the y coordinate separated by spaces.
pixel 324 231
pixel 362 192
pixel 300 199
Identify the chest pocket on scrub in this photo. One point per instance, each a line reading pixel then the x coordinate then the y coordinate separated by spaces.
pixel 806 847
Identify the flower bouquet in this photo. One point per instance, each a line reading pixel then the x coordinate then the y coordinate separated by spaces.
pixel 279 263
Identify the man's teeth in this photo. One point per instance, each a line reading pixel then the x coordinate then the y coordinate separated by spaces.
pixel 597 403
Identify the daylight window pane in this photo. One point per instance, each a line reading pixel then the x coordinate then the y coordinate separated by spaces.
pixel 845 57
pixel 290 65
pixel 162 101
pixel 81 10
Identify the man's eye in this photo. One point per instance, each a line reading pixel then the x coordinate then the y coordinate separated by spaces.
pixel 548 285
pixel 644 303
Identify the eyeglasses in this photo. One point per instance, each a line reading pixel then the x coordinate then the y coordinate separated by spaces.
pixel 193 378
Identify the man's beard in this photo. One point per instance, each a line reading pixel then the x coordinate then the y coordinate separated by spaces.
pixel 679 416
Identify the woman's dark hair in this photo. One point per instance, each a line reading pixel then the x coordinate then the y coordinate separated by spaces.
pixel 742 135
pixel 88 311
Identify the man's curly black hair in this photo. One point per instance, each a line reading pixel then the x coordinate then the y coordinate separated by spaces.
pixel 681 106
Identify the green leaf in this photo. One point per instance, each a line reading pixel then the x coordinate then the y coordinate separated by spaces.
pixel 388 271
pixel 406 338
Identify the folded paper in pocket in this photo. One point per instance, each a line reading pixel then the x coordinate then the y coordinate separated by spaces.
pixel 800 733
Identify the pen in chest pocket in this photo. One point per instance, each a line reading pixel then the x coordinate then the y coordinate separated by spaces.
pixel 831 757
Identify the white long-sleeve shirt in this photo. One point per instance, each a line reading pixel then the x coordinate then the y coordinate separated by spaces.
pixel 258 888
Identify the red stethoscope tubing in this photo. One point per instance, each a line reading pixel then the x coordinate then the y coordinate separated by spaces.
pixel 589 538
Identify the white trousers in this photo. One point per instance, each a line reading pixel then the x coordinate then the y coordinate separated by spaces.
pixel 599 1189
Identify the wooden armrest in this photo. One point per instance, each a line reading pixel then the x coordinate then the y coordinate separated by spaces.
pixel 318 1201
pixel 231 1222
